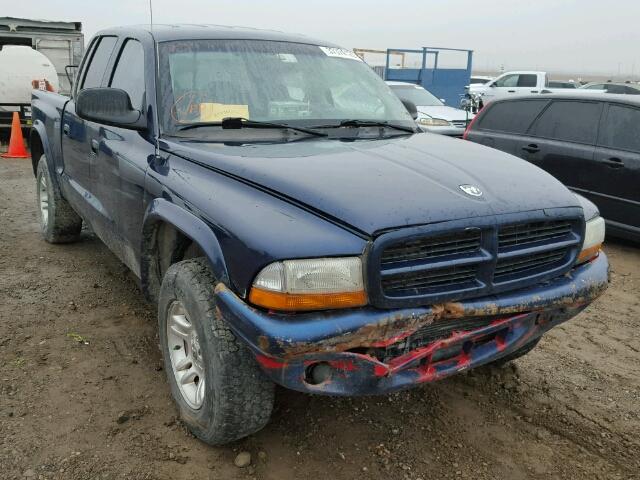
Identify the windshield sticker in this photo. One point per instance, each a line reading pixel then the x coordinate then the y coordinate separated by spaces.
pixel 216 112
pixel 287 58
pixel 340 53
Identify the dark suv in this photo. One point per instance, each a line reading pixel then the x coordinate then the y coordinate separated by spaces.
pixel 591 144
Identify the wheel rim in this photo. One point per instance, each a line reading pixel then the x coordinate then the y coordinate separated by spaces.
pixel 186 355
pixel 43 200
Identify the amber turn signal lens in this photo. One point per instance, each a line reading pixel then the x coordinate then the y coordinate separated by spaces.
pixel 588 254
pixel 291 302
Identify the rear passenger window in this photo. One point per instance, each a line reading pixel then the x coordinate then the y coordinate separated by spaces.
pixel 129 72
pixel 528 80
pixel 621 128
pixel 570 121
pixel 98 63
pixel 512 116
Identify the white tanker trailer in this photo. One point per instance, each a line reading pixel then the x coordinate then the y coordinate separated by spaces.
pixel 20 66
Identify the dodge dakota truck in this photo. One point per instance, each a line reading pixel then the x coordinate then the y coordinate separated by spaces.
pixel 294 226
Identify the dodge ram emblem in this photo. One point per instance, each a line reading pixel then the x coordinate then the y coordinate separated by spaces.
pixel 471 190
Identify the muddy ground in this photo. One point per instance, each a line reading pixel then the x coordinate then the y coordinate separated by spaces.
pixel 83 395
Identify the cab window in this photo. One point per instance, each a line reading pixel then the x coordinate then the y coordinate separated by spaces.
pixel 98 63
pixel 128 73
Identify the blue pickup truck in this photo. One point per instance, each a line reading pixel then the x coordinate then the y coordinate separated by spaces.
pixel 293 225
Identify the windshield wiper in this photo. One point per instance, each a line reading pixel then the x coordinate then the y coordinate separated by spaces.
pixel 237 123
pixel 368 123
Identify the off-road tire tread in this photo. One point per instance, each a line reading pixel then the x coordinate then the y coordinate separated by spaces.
pixel 64 224
pixel 245 396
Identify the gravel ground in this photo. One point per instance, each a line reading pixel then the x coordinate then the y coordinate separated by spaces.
pixel 83 394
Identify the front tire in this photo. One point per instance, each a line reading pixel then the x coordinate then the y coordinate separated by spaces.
pixel 221 393
pixel 59 223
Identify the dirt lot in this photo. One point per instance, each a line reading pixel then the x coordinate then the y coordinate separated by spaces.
pixel 83 395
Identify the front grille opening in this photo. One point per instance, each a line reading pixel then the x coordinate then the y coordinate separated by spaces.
pixel 528 264
pixel 415 283
pixel 526 234
pixel 432 248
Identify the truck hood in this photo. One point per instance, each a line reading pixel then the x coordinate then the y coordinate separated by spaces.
pixel 375 185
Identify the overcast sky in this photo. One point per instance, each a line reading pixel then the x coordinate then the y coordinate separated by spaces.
pixel 574 36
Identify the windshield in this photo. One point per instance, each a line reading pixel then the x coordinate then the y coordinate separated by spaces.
pixel 417 95
pixel 269 81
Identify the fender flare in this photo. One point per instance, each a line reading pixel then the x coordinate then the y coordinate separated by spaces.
pixel 163 211
pixel 38 128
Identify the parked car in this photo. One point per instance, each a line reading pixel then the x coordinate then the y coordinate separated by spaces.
pixel 590 143
pixel 433 115
pixel 617 88
pixel 290 234
pixel 511 84
pixel 558 84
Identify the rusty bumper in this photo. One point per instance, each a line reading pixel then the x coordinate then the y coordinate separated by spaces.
pixel 351 346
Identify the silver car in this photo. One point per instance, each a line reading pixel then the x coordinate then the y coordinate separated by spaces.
pixel 433 115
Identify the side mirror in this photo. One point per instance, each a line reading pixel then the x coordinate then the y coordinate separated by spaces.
pixel 443 101
pixel 492 85
pixel 411 108
pixel 109 106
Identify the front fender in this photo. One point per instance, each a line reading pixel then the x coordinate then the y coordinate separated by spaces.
pixel 161 210
pixel 39 130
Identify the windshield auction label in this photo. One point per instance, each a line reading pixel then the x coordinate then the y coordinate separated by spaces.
pixel 216 112
pixel 340 53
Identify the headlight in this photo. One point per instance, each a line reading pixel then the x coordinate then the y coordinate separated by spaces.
pixel 593 239
pixel 433 122
pixel 314 284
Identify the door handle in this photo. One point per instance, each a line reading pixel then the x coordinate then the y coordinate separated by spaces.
pixel 534 91
pixel 531 148
pixel 66 129
pixel 614 162
pixel 94 145
pixel 511 91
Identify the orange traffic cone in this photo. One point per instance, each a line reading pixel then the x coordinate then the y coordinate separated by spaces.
pixel 16 142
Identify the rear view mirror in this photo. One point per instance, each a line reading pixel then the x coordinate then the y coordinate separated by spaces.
pixel 411 108
pixel 109 106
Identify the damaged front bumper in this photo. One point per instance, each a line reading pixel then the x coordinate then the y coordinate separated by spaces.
pixel 370 351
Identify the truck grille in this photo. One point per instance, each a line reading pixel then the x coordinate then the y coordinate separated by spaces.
pixel 430 281
pixel 452 265
pixel 525 264
pixel 517 235
pixel 429 248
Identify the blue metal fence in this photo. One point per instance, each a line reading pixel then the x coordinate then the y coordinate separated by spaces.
pixel 446 83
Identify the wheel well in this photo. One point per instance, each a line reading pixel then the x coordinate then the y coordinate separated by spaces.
pixel 37 149
pixel 164 246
